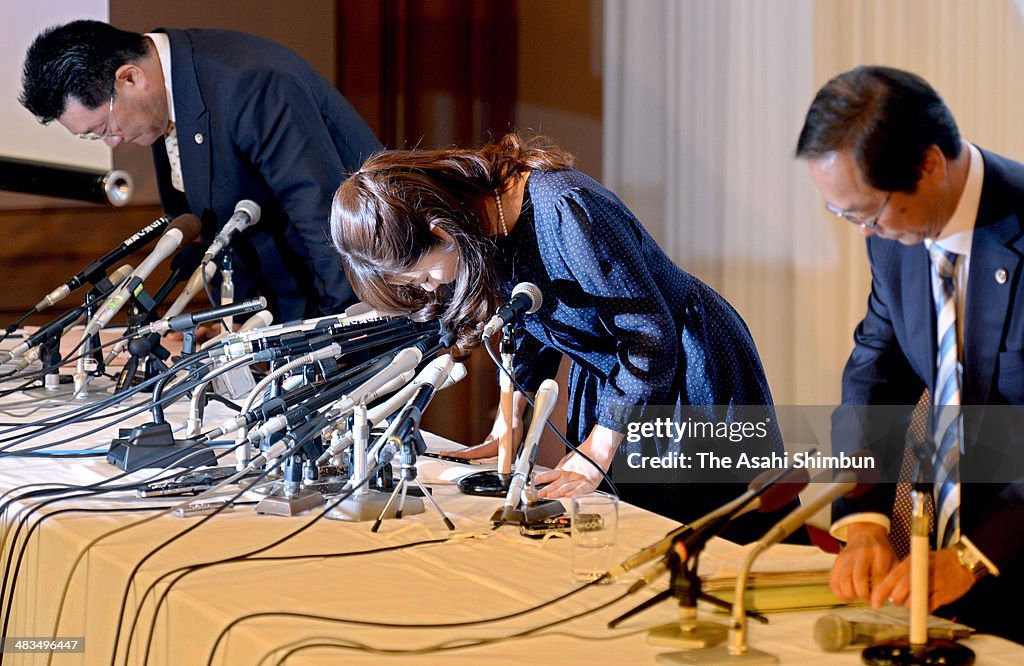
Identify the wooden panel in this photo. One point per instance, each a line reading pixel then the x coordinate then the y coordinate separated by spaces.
pixel 43 248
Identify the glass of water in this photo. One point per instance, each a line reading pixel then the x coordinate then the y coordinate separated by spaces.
pixel 595 525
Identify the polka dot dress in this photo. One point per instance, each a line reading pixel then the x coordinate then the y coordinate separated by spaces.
pixel 639 330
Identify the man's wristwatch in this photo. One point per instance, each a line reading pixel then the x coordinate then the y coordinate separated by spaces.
pixel 969 560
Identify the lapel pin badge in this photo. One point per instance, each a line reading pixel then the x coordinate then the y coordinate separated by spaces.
pixel 198 137
pixel 1001 275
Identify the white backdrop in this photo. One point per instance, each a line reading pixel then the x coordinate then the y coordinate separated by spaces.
pixel 703 101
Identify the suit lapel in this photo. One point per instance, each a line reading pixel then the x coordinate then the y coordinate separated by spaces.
pixel 917 281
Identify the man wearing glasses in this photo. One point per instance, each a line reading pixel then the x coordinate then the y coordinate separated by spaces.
pixel 946 315
pixel 229 116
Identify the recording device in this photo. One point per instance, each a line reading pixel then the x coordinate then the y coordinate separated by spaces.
pixel 113 188
pixel 191 483
pixel 187 321
pixel 526 299
pixel 544 403
pixel 247 213
pixel 96 269
pixel 833 633
pixel 179 232
pixel 561 524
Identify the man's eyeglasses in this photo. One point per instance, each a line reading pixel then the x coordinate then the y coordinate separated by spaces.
pixel 93 136
pixel 870 223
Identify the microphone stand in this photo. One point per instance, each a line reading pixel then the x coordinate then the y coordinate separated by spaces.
pixel 92 363
pixel 151 444
pixel 737 650
pixel 410 448
pixel 49 355
pixel 288 497
pixel 685 585
pixel 146 350
pixel 495 483
pixel 918 647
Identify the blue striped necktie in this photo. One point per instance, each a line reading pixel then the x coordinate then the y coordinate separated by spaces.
pixel 947 422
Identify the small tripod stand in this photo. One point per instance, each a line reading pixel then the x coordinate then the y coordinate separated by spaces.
pixel 686 586
pixel 409 449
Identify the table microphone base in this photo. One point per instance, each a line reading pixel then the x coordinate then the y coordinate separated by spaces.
pixel 280 504
pixel 362 508
pixel 702 635
pixel 900 652
pixel 152 445
pixel 717 655
pixel 485 484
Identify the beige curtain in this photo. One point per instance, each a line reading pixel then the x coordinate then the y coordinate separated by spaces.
pixel 703 100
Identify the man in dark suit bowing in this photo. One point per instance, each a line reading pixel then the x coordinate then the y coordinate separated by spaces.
pixel 945 227
pixel 230 116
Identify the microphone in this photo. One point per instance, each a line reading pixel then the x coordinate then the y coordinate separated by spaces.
pixel 846 483
pixel 408 420
pixel 247 213
pixel 526 299
pixel 770 491
pixel 96 269
pixel 833 633
pixel 289 340
pixel 104 286
pixel 103 187
pixel 179 232
pixel 187 321
pixel 543 405
pixel 380 370
pixel 405 361
pixel 261 319
pixel 380 412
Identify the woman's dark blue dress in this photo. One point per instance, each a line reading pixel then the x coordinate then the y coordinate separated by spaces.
pixel 645 338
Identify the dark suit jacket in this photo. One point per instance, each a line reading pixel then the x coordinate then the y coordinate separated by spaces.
pixel 255 121
pixel 893 361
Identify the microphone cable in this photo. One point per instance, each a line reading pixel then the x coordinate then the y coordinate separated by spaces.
pixel 88 410
pixel 91 490
pixel 299 442
pixel 85 413
pixel 572 447
pixel 65 588
pixel 447 646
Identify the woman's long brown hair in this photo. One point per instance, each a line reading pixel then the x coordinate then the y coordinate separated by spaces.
pixel 381 220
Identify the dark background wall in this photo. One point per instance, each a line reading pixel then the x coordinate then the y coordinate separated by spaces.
pixel 422 72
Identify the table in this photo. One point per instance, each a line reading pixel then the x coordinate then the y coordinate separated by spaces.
pixel 483 574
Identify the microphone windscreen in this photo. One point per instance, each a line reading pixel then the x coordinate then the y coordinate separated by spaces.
pixel 531 290
pixel 250 208
pixel 833 633
pixel 189 226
